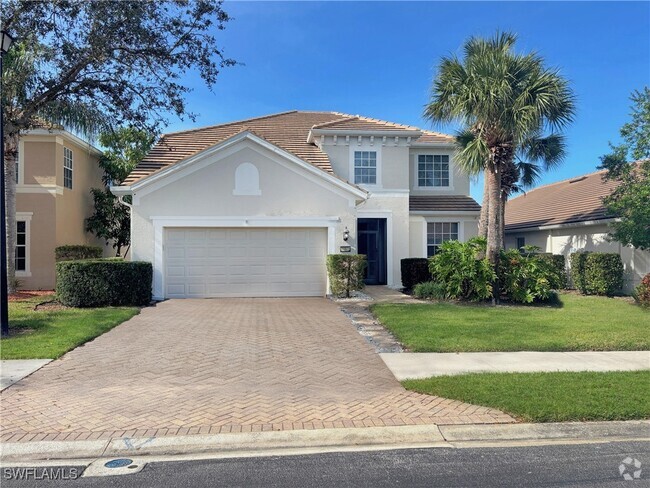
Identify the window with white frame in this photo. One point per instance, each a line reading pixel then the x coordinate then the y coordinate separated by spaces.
pixel 439 232
pixel 365 167
pixel 21 246
pixel 67 168
pixel 433 170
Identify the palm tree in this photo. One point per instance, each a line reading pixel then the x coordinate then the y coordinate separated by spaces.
pixel 20 77
pixel 511 108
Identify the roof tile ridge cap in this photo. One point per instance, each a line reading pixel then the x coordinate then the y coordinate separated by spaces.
pixel 226 124
pixel 332 122
pixel 566 180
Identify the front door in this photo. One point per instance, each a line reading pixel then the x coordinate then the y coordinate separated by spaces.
pixel 371 234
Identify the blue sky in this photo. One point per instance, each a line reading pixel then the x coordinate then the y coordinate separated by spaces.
pixel 378 59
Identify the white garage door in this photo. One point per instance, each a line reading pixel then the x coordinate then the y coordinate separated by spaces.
pixel 262 262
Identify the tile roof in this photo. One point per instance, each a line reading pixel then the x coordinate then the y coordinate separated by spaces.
pixel 287 130
pixel 443 203
pixel 575 200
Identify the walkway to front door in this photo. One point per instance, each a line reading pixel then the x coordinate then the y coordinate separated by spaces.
pixel 221 365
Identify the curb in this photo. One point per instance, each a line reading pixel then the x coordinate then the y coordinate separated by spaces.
pixel 401 437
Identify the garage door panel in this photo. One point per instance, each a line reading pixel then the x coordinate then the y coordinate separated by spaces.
pixel 245 262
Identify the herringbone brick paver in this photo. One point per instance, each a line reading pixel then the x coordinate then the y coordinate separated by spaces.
pixel 221 365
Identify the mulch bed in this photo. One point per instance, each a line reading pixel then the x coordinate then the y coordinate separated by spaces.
pixel 27 294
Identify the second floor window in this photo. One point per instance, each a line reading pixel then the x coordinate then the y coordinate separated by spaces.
pixel 365 167
pixel 67 168
pixel 433 170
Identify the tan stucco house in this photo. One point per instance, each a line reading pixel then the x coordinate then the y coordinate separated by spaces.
pixel 569 216
pixel 252 208
pixel 55 173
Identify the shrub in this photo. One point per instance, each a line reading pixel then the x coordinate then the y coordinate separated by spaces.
pixel 103 282
pixel 414 271
pixel 430 289
pixel 346 273
pixel 603 273
pixel 75 252
pixel 558 263
pixel 578 260
pixel 642 292
pixel 597 273
pixel 526 278
pixel 459 270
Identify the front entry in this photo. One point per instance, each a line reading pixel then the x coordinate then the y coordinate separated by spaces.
pixel 371 234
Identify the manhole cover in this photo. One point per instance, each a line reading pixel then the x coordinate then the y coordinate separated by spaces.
pixel 118 463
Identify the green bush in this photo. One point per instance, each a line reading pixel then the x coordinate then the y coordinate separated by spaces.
pixel 75 252
pixel 578 260
pixel 597 273
pixel 642 292
pixel 346 273
pixel 414 271
pixel 526 277
pixel 103 282
pixel 459 270
pixel 558 263
pixel 430 289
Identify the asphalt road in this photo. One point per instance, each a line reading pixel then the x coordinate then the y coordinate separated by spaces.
pixel 593 465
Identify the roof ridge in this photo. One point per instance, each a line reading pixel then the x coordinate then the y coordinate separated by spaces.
pixel 325 124
pixel 235 122
pixel 586 175
pixel 372 119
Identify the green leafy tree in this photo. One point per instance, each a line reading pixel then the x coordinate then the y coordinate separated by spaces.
pixel 91 66
pixel 629 165
pixel 111 220
pixel 511 107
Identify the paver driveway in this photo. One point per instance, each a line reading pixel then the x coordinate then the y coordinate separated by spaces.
pixel 221 365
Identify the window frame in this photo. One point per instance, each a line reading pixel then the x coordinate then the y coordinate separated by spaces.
pixel 416 169
pixel 460 233
pixel 354 148
pixel 517 242
pixel 27 218
pixel 66 151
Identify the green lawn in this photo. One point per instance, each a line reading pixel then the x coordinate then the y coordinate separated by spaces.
pixel 51 333
pixel 549 397
pixel 578 323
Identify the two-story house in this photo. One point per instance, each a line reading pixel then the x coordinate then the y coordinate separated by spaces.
pixel 54 175
pixel 252 208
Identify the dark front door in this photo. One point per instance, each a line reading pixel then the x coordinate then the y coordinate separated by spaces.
pixel 371 234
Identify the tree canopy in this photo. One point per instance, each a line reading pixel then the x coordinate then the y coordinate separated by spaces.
pixel 629 165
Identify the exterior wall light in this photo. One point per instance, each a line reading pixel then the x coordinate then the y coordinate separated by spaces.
pixel 346 234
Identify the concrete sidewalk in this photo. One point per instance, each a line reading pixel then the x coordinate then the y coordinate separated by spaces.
pixel 424 365
pixel 13 370
pixel 325 440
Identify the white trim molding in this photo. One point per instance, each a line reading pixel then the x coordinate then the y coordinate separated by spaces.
pixel 569 225
pixel 160 223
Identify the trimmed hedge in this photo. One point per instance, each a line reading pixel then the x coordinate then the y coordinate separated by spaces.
pixel 414 271
pixel 558 262
pixel 103 282
pixel 346 273
pixel 597 273
pixel 75 252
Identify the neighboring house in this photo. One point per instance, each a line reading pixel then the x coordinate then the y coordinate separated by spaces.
pixel 252 208
pixel 55 173
pixel 569 216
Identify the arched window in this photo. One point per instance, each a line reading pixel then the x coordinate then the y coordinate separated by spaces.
pixel 247 180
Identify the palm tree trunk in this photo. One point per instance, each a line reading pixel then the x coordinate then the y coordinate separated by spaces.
pixel 485 209
pixel 11 156
pixel 502 220
pixel 493 175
